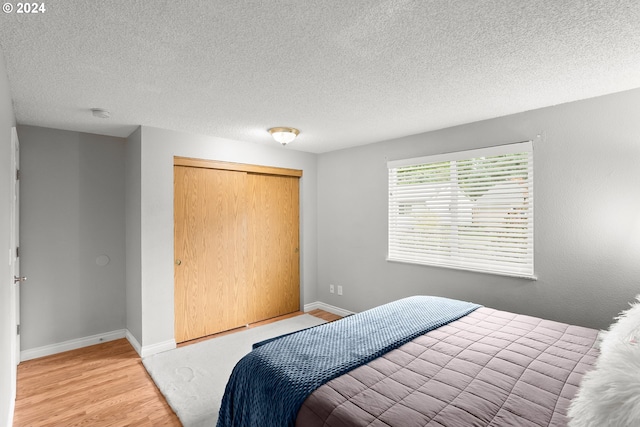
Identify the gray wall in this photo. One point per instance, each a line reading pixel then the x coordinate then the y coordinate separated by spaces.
pixel 79 191
pixel 158 149
pixel 72 212
pixel 7 334
pixel 587 225
pixel 85 195
pixel 133 198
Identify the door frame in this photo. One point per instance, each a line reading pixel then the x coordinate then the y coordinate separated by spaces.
pixel 239 167
pixel 14 258
pixel 235 167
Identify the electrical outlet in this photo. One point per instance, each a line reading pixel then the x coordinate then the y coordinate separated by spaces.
pixel 331 288
pixel 339 289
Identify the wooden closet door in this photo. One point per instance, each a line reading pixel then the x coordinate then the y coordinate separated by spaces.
pixel 273 243
pixel 211 251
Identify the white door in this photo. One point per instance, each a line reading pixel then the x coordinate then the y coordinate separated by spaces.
pixel 13 250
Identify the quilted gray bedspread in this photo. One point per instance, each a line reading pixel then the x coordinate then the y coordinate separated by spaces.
pixel 489 368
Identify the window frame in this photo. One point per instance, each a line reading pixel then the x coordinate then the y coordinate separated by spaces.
pixel 448 254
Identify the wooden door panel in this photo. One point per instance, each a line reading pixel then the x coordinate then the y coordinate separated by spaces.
pixel 189 315
pixel 210 250
pixel 273 246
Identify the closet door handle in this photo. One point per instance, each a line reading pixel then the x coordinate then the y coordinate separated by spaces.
pixel 178 262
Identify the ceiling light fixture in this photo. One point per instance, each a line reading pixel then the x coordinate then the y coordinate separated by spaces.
pixel 101 113
pixel 284 135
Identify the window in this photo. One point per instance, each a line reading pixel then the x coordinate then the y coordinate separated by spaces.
pixel 470 210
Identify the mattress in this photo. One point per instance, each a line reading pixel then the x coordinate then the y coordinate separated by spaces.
pixel 488 368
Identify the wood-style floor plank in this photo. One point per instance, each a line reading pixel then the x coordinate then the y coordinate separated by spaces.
pixel 104 385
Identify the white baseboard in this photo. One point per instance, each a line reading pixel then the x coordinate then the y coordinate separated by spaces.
pixel 48 350
pixel 326 307
pixel 148 350
pixel 134 342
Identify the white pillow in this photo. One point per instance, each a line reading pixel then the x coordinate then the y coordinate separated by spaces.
pixel 609 395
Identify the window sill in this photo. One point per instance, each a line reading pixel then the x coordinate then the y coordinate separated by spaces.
pixel 495 273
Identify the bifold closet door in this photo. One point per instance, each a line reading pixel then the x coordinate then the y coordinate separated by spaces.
pixel 273 266
pixel 210 226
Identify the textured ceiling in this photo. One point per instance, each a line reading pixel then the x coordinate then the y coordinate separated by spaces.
pixel 344 72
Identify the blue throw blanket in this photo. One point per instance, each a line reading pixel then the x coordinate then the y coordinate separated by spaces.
pixel 268 386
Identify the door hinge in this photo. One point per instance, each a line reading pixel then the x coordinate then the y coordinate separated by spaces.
pixel 17 174
pixel 18 252
pixel 18 331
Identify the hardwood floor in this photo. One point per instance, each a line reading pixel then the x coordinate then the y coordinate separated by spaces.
pixel 104 385
pixel 324 315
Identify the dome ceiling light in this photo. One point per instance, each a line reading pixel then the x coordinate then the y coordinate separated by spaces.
pixel 284 135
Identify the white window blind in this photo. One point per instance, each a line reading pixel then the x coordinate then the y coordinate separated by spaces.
pixel 470 210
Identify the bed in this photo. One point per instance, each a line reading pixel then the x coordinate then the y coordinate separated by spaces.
pixel 419 361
